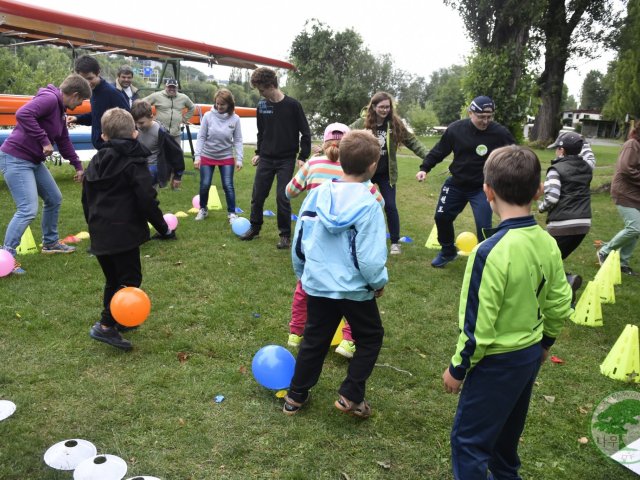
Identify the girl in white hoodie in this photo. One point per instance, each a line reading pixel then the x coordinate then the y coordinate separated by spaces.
pixel 219 145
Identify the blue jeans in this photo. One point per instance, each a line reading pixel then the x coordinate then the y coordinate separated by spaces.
pixel 27 181
pixel 627 238
pixel 451 202
pixel 226 175
pixel 153 170
pixel 388 193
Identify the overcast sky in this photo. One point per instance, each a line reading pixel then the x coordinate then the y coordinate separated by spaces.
pixel 421 36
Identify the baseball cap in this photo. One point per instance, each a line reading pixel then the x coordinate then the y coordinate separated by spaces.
pixel 571 142
pixel 335 131
pixel 482 104
pixel 171 82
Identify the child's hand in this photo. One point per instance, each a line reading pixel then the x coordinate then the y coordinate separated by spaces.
pixel 378 293
pixel 196 163
pixel 451 385
pixel 255 160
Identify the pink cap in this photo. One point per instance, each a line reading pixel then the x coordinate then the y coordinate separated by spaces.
pixel 335 131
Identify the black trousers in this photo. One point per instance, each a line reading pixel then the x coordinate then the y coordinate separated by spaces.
pixel 568 243
pixel 120 270
pixel 267 169
pixel 323 318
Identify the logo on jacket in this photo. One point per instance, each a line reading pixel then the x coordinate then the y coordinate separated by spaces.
pixel 481 150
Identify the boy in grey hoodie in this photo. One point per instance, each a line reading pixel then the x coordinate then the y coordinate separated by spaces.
pixel 339 255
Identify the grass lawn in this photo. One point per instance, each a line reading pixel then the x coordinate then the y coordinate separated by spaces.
pixel 217 300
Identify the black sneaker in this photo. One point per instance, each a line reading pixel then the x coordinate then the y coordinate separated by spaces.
pixel 250 234
pixel 109 335
pixel 124 328
pixel 284 243
pixel 575 282
pixel 626 269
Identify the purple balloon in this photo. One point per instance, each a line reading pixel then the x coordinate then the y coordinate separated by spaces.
pixel 172 220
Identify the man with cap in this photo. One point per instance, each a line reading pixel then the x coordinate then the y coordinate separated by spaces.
pixel 172 108
pixel 471 140
pixel 567 197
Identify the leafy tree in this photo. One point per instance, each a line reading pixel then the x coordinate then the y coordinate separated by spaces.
pixel 594 91
pixel 624 80
pixel 500 30
pixel 336 75
pixel 422 119
pixel 567 29
pixel 446 94
pixel 568 101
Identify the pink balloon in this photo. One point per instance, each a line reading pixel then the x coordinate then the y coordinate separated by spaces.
pixel 196 201
pixel 172 220
pixel 7 263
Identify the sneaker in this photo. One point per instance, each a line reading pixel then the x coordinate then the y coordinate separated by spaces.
pixel 124 328
pixel 601 256
pixel 18 270
pixel 395 249
pixel 202 214
pixel 109 335
pixel 575 282
pixel 232 217
pixel 346 349
pixel 250 234
pixel 294 340
pixel 58 248
pixel 291 407
pixel 360 410
pixel 626 269
pixel 441 260
pixel 284 243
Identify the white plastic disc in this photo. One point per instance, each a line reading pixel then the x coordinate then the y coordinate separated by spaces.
pixel 6 409
pixel 68 454
pixel 101 467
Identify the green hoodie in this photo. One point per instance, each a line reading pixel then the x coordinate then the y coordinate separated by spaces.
pixel 411 142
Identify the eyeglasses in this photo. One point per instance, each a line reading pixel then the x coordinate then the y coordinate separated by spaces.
pixel 383 107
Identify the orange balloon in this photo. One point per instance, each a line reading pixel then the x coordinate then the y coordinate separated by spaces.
pixel 130 306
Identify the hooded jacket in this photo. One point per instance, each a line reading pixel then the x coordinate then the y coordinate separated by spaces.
pixel 118 199
pixel 340 246
pixel 625 187
pixel 41 122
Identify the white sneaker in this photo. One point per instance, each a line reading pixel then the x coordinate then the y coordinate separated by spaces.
pixel 395 249
pixel 202 214
pixel 232 217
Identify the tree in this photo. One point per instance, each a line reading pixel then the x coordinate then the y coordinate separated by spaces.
pixel 499 67
pixel 422 119
pixel 594 91
pixel 445 93
pixel 624 75
pixel 568 101
pixel 568 30
pixel 336 75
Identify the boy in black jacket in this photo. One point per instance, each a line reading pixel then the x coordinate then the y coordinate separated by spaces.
pixel 118 200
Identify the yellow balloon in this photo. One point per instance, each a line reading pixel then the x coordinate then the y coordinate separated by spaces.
pixel 465 242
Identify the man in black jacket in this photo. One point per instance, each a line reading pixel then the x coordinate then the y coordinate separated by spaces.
pixel 471 140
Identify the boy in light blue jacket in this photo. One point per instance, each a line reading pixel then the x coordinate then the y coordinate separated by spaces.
pixel 339 255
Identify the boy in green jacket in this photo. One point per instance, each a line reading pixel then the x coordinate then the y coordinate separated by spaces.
pixel 514 300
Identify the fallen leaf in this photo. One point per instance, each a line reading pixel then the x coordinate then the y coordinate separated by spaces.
pixel 422 355
pixel 181 421
pixel 344 476
pixel 583 440
pixel 183 357
pixel 385 465
pixel 243 369
pixel 549 398
pixel 557 360
pixel 18 315
pixel 178 263
pixel 583 410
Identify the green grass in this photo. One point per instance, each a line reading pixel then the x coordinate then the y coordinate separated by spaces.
pixel 158 413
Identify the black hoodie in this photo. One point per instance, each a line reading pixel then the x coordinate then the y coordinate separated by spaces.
pixel 118 199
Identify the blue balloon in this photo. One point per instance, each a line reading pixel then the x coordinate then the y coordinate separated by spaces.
pixel 240 226
pixel 273 367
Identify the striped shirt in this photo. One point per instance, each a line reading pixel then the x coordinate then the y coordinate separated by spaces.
pixel 321 170
pixel 552 186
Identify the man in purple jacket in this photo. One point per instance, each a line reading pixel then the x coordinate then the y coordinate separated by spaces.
pixel 40 123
